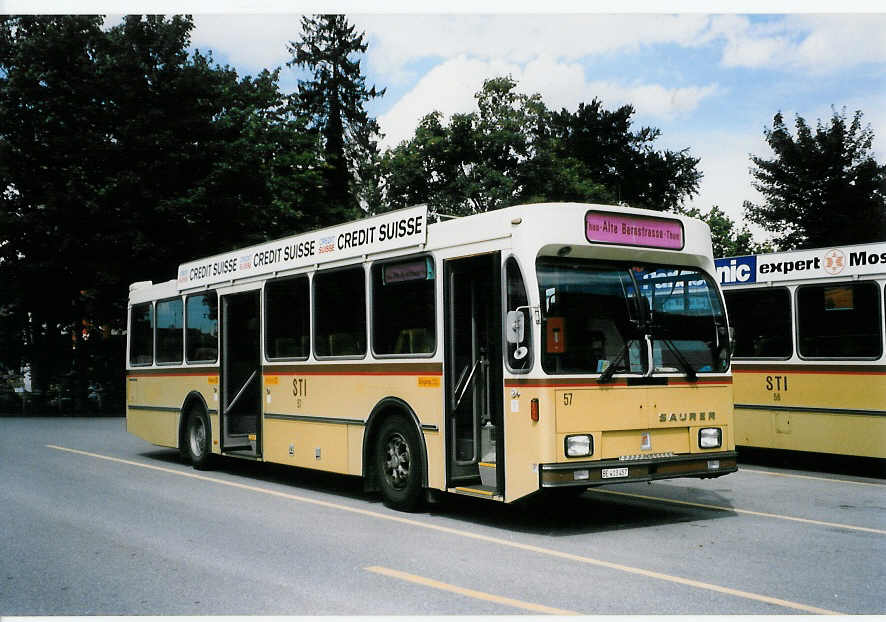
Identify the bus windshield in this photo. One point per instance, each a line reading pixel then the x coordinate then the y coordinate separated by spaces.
pixel 608 317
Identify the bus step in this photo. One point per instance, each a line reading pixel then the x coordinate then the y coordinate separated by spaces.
pixel 483 492
pixel 242 452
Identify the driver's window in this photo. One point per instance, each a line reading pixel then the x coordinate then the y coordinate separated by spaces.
pixel 519 354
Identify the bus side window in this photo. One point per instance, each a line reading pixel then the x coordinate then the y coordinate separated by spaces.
pixel 403 308
pixel 287 318
pixel 762 322
pixel 519 355
pixel 840 320
pixel 141 334
pixel 170 336
pixel 340 312
pixel 201 328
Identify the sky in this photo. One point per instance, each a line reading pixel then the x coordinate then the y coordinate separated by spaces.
pixel 711 82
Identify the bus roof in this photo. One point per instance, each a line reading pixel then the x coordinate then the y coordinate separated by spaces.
pixel 616 231
pixel 817 263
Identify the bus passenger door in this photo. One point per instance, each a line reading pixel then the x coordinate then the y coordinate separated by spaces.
pixel 241 373
pixel 473 373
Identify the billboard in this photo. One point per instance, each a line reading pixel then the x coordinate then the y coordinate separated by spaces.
pixel 807 264
pixel 399 229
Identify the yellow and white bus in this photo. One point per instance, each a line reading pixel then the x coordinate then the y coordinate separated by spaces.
pixel 538 346
pixel 809 360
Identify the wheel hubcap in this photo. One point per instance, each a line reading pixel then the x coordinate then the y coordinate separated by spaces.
pixel 198 437
pixel 397 460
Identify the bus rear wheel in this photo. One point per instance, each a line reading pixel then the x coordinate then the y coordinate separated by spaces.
pixel 398 464
pixel 198 439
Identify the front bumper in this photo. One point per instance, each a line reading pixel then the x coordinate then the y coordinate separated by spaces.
pixel 591 473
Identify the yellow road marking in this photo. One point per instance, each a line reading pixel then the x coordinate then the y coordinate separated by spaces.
pixel 820 479
pixel 501 600
pixel 470 535
pixel 740 511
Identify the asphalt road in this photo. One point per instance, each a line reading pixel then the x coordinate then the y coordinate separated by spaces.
pixel 97 522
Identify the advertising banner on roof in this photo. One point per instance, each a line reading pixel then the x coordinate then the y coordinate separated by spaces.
pixel 816 263
pixel 400 229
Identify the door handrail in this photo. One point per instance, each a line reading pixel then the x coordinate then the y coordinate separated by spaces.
pixel 240 393
pixel 467 383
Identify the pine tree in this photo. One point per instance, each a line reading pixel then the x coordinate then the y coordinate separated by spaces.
pixel 334 99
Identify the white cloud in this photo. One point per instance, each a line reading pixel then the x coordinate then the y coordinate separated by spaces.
pixel 725 163
pixel 250 42
pixel 835 41
pixel 398 40
pixel 812 43
pixel 652 100
pixel 809 43
pixel 450 87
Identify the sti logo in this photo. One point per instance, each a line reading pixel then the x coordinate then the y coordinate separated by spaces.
pixel 737 270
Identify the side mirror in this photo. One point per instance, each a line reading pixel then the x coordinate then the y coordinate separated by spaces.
pixel 516 332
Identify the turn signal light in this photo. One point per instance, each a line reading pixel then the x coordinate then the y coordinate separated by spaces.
pixel 533 409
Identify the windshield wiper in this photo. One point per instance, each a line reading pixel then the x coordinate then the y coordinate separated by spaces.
pixel 636 330
pixel 686 365
pixel 607 374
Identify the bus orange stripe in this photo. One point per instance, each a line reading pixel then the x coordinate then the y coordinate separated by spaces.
pixel 548 384
pixel 269 372
pixel 763 370
pixel 169 374
pixel 291 373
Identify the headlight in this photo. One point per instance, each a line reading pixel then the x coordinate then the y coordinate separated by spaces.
pixel 710 438
pixel 579 445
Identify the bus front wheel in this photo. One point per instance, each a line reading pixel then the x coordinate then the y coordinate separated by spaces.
pixel 198 439
pixel 398 464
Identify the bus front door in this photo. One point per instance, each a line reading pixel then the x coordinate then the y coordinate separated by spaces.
pixel 473 373
pixel 241 374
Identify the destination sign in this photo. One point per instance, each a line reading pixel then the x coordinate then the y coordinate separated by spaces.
pixel 630 230
pixel 400 229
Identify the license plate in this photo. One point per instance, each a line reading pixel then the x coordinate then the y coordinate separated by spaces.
pixel 619 472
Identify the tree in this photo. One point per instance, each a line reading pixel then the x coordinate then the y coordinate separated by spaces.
pixel 623 160
pixel 727 240
pixel 514 150
pixel 52 115
pixel 122 156
pixel 822 188
pixel 334 100
pixel 480 161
